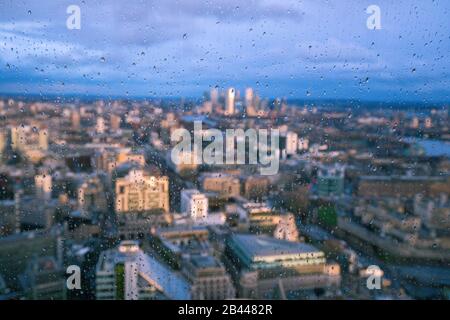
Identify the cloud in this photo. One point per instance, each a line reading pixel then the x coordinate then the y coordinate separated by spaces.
pixel 185 46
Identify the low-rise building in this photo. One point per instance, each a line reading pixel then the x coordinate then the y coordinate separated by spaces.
pixel 127 273
pixel 208 277
pixel 225 185
pixel 265 267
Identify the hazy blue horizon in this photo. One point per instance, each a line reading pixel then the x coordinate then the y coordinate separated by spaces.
pixel 70 98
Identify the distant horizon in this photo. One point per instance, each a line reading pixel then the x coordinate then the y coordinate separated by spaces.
pixel 129 98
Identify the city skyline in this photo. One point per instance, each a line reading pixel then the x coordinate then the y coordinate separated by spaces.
pixel 97 188
pixel 218 150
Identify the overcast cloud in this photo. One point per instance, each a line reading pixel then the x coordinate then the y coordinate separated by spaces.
pixel 293 49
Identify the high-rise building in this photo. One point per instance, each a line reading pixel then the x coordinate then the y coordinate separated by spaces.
pixel 117 275
pixel 248 97
pixel 250 106
pixel 229 101
pixel 194 204
pixel 214 96
pixel 127 273
pixel 43 186
pixel 18 137
pixel 75 119
pixel 43 139
pixel 138 192
pixel 414 123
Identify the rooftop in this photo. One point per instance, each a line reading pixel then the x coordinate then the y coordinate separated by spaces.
pixel 265 246
pixel 201 262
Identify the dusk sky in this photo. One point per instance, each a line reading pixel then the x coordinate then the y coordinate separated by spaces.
pixel 294 49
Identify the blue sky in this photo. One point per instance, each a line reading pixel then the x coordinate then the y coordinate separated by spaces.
pixel 295 49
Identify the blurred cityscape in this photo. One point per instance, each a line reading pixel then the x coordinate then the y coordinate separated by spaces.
pixel 359 208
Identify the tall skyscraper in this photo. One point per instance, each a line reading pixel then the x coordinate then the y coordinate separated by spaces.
pixel 214 95
pixel 229 101
pixel 248 97
pixel 250 108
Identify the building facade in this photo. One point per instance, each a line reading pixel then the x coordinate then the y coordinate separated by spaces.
pixel 194 204
pixel 139 192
